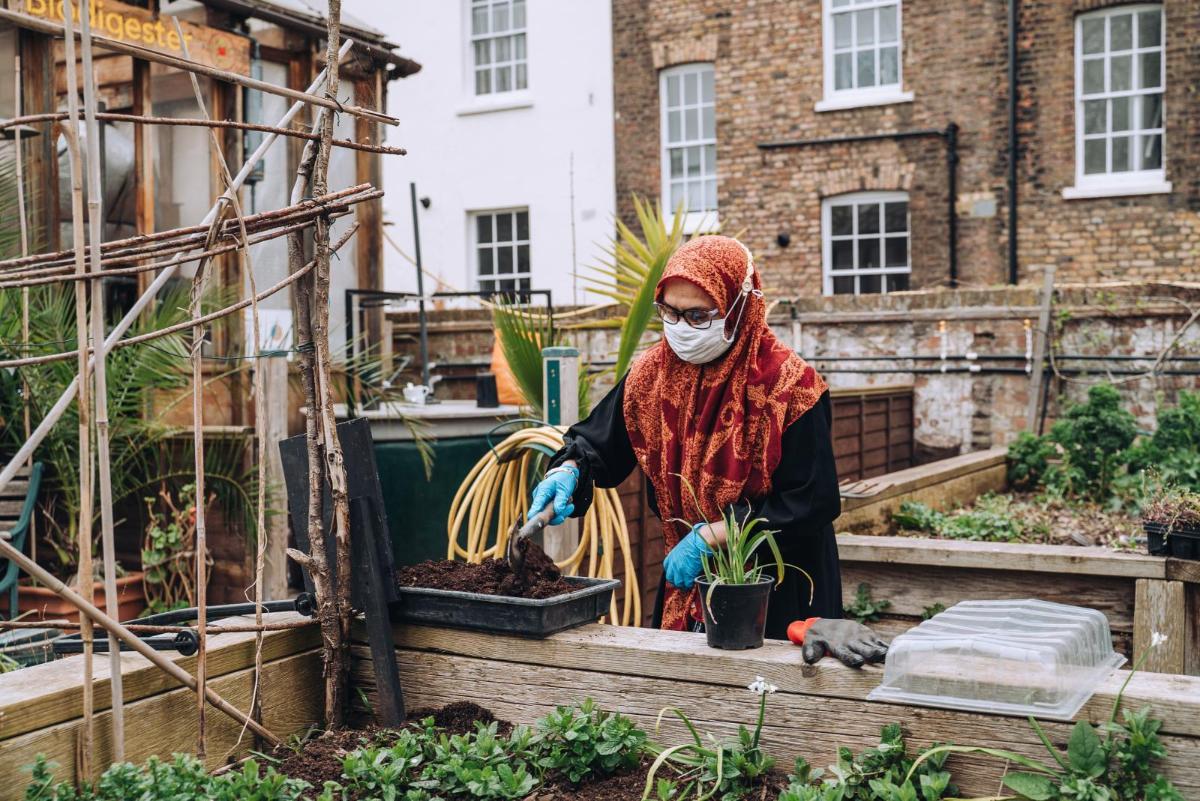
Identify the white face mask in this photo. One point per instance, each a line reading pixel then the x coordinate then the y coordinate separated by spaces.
pixel 702 345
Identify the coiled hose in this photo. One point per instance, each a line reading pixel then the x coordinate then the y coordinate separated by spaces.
pixel 497 490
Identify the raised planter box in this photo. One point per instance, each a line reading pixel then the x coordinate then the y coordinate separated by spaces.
pixel 638 672
pixel 1139 593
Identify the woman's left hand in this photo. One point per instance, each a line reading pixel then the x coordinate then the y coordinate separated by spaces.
pixel 685 561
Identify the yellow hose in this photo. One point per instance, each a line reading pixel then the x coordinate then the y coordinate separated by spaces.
pixel 497 490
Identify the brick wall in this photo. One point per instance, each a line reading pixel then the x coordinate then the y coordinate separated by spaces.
pixel 769 74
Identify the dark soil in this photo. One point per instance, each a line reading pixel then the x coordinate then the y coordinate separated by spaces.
pixel 629 786
pixel 541 579
pixel 459 718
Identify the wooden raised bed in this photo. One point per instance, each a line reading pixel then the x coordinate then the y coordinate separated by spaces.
pixel 1139 593
pixel 41 706
pixel 818 708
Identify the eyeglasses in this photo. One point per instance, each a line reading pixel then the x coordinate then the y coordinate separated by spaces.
pixel 696 318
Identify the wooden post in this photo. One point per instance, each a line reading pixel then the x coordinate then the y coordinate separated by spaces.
pixel 1160 608
pixel 143 159
pixel 1041 342
pixel 368 243
pixel 560 400
pixel 275 406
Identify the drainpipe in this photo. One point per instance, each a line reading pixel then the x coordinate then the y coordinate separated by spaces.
pixel 1013 270
pixel 952 179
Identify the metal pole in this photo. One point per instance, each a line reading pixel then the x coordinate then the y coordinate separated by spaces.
pixel 424 325
pixel 1013 266
pixel 952 180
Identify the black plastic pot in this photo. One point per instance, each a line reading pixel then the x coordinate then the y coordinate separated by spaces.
pixel 1180 542
pixel 737 616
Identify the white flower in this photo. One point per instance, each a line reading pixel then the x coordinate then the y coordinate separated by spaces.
pixel 761 687
pixel 1157 638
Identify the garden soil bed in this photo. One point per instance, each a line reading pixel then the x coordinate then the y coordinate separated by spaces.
pixel 542 579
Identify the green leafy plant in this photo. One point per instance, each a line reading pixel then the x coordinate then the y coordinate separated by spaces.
pixel 933 610
pixel 1173 451
pixel 991 519
pixel 582 741
pixel 916 516
pixel 864 608
pixel 168 549
pixel 1029 458
pixel 1093 438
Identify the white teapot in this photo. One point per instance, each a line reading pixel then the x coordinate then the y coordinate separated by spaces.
pixel 416 393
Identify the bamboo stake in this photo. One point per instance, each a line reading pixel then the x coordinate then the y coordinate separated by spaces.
pixel 187 65
pixel 170 668
pixel 84 533
pixel 100 373
pixel 146 119
pixel 150 628
pixel 26 400
pixel 60 407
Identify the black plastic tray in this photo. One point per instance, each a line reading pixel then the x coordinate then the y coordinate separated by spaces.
pixel 1180 543
pixel 528 617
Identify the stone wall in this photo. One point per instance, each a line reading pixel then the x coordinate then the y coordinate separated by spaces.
pixel 769 75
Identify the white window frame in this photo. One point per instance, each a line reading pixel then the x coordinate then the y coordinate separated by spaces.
pixel 493 100
pixel 473 255
pixel 835 99
pixel 694 219
pixel 1131 182
pixel 827 238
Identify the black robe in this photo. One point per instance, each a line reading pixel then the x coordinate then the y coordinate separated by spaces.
pixel 803 503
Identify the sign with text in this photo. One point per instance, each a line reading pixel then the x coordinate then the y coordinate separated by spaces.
pixel 133 25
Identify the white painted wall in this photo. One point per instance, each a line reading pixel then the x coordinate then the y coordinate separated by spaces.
pixel 464 158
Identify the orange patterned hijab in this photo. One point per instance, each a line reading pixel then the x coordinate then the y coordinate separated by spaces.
pixel 719 424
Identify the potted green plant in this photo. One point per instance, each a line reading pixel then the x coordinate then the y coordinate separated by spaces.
pixel 1171 520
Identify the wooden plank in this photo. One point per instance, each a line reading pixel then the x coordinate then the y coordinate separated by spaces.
pixel 166 723
pixel 720 703
pixel 1161 609
pixel 1032 557
pixel 44 695
pixel 1192 649
pixel 1187 570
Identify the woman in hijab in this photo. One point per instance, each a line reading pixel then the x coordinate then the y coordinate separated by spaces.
pixel 723 403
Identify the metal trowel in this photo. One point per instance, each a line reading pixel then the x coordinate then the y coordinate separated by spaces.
pixel 515 553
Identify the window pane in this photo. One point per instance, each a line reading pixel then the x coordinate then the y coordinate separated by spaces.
pixel 522 225
pixel 518 14
pixel 708 125
pixel 503 48
pixel 866 68
pixel 710 159
pixel 1120 113
pixel 868 254
pixel 690 89
pixel 1151 111
pixel 504 227
pixel 895 251
pixel 1093 157
pixel 519 47
pixel 889 71
pixel 868 218
pixel 676 194
pixel 841 220
pixel 482 53
pixel 868 284
pixel 485 261
pixel 523 284
pixel 522 258
pixel 695 195
pixel 843 285
pixel 887 24
pixel 840 3
pixel 507 286
pixel 897 283
pixel 841 31
pixel 691 128
pixel 1151 147
pixel 1094 118
pixel 1120 32
pixel 676 154
pixel 1120 154
pixel 864 27
pixel 1120 78
pixel 710 194
pixel 1093 76
pixel 483 228
pixel 504 79
pixel 843 71
pixel 693 162
pixel 843 254
pixel 674 131
pixel 483 81
pixel 1149 28
pixel 895 216
pixel 500 17
pixel 673 90
pixel 479 20
pixel 1093 35
pixel 1150 70
pixel 522 76
pixel 706 86
pixel 504 260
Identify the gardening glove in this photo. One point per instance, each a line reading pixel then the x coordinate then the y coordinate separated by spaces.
pixel 849 642
pixel 685 561
pixel 558 486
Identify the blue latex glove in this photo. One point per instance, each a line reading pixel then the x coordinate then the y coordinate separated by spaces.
pixel 558 486
pixel 685 561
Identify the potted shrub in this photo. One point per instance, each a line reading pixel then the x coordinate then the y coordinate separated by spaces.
pixel 1171 520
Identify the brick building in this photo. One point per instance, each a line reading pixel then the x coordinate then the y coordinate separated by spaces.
pixel 822 131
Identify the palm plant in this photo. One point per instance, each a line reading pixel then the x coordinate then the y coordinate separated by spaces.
pixel 523 332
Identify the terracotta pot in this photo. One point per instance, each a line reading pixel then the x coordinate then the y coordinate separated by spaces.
pixel 43 603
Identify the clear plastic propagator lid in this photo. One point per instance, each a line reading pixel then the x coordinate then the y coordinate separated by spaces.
pixel 1025 657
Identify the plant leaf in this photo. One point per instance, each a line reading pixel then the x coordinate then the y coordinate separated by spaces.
pixel 1030 785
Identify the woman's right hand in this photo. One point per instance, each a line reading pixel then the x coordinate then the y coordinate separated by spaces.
pixel 557 488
